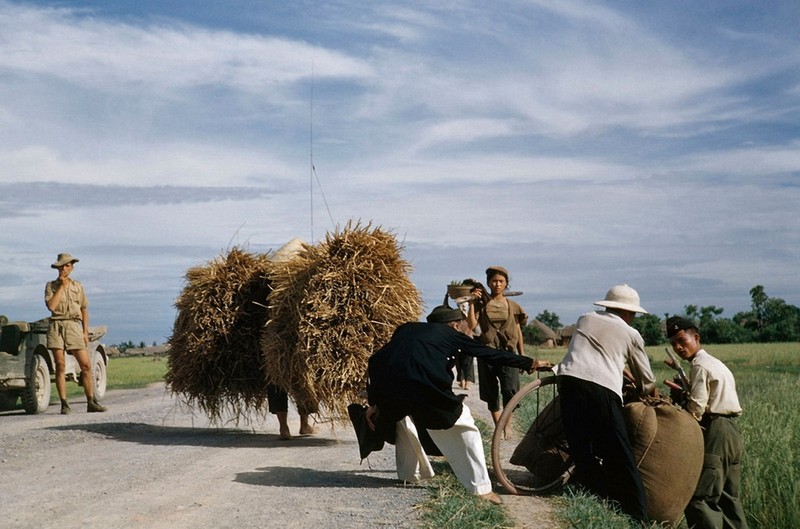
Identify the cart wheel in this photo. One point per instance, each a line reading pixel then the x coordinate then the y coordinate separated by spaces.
pixel 541 460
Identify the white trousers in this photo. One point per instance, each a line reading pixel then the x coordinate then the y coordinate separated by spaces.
pixel 461 445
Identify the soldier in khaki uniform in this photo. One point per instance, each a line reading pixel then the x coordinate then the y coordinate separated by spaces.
pixel 713 401
pixel 69 330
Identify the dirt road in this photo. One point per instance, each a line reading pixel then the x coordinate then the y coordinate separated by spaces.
pixel 151 463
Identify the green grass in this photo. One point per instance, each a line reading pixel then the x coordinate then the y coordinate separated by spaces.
pixel 136 371
pixel 124 373
pixel 450 506
pixel 767 377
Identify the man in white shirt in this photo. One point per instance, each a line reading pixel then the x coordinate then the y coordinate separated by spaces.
pixel 590 381
pixel 712 400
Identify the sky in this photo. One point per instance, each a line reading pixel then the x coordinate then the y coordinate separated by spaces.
pixel 578 144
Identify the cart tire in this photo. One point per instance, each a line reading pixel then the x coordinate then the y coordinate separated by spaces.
pixel 36 395
pixel 519 488
pixel 99 376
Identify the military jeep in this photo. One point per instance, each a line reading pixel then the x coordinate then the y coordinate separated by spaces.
pixel 27 368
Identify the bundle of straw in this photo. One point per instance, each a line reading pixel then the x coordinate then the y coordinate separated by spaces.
pixel 331 307
pixel 214 356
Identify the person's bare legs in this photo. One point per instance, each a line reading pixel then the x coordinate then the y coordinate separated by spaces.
pixel 87 380
pixel 60 360
pixel 283 423
pixel 305 428
pixel 496 419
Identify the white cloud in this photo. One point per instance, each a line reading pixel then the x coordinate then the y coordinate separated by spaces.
pixel 750 162
pixel 98 53
pixel 149 165
pixel 580 143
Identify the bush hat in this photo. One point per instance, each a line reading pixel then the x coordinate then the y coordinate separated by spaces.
pixel 62 259
pixel 622 297
pixel 444 314
pixel 676 324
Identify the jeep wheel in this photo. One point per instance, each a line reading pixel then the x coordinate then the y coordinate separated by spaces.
pixel 36 395
pixel 99 376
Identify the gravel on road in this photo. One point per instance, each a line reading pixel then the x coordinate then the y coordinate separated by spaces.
pixel 151 462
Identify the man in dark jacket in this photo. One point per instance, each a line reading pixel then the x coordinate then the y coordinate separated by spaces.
pixel 411 377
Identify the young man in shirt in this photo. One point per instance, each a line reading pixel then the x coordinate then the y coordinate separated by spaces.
pixel 713 401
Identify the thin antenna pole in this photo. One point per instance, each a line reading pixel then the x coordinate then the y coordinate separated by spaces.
pixel 311 153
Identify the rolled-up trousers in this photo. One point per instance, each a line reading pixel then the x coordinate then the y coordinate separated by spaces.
pixel 461 445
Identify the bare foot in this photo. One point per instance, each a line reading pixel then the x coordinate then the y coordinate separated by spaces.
pixel 307 430
pixel 285 435
pixel 491 497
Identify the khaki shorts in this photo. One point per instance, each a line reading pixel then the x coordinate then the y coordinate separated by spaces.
pixel 66 335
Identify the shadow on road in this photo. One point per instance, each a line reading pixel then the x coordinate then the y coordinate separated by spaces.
pixel 150 434
pixel 307 477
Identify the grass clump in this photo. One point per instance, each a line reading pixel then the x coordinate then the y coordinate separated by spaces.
pixel 450 506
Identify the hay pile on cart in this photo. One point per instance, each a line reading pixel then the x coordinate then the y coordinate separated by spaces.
pixel 305 319
pixel 331 307
pixel 214 358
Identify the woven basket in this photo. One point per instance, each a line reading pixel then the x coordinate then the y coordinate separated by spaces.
pixel 458 291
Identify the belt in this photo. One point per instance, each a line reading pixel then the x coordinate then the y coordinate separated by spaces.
pixel 712 416
pixel 64 318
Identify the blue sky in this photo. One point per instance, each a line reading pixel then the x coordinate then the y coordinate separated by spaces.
pixel 578 144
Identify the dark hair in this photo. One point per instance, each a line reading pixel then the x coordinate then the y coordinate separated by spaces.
pixel 495 270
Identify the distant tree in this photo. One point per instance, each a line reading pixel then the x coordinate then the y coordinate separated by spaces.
pixel 124 346
pixel 769 320
pixel 772 319
pixel 714 329
pixel 550 319
pixel 649 326
pixel 781 322
pixel 758 297
pixel 725 330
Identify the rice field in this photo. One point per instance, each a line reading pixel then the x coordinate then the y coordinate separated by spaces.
pixel 767 377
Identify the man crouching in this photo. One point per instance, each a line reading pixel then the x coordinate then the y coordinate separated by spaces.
pixel 410 383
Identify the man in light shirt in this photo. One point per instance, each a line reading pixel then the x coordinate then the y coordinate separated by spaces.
pixel 590 379
pixel 713 401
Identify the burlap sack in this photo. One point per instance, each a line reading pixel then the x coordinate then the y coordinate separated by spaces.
pixel 540 451
pixel 668 447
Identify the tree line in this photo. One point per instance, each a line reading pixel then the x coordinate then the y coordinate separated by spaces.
pixel 768 320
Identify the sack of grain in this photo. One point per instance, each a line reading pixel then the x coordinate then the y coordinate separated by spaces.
pixel 668 447
pixel 541 451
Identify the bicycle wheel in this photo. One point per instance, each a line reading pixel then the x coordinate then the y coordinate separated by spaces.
pixel 535 462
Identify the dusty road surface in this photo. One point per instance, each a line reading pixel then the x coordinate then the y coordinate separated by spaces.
pixel 149 462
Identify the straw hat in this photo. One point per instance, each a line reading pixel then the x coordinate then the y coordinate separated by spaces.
pixel 62 259
pixel 622 297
